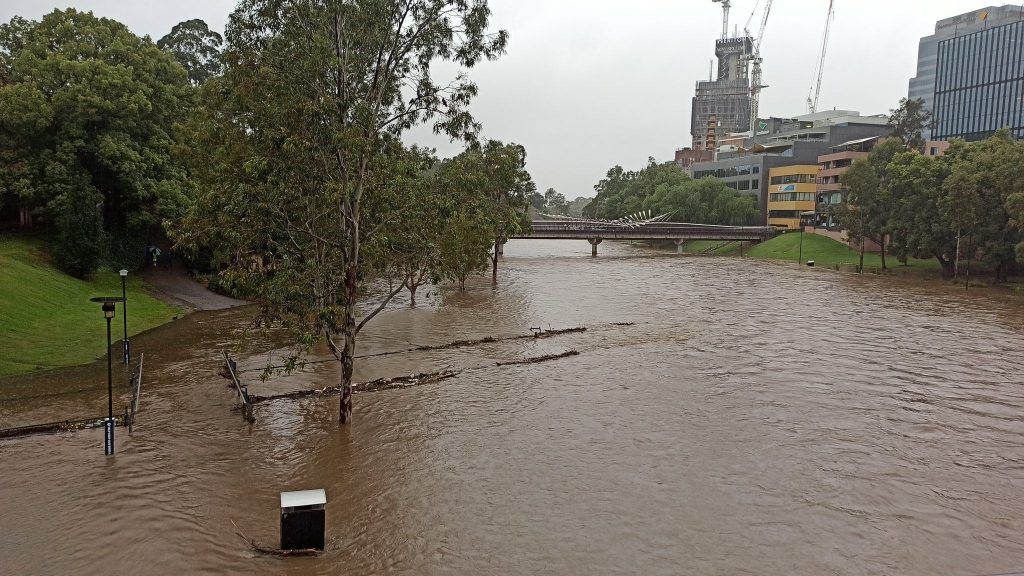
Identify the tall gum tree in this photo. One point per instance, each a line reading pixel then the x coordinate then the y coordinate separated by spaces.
pixel 307 120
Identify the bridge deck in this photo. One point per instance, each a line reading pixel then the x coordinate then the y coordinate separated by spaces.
pixel 581 230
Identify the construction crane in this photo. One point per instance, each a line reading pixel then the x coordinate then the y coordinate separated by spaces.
pixel 755 75
pixel 726 4
pixel 815 92
pixel 746 27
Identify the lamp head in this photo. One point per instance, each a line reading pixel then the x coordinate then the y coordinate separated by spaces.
pixel 123 273
pixel 108 303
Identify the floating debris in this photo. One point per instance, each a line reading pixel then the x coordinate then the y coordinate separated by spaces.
pixel 545 358
pixel 63 426
pixel 371 386
pixel 256 546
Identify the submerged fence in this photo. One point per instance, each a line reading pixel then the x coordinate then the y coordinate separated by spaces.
pixel 231 367
pixel 135 383
pixel 127 419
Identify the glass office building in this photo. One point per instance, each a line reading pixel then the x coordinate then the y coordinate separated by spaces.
pixel 979 84
pixel 923 84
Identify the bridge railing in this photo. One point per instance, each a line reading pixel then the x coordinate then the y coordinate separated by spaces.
pixel 654 229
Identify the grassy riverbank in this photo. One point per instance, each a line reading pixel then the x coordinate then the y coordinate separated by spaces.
pixel 828 252
pixel 823 250
pixel 46 319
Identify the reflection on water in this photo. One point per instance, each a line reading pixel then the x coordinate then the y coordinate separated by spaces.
pixel 757 419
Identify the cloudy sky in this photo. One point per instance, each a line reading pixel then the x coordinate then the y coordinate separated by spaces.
pixel 587 84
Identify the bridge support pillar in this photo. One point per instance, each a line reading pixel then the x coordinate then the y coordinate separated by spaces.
pixel 593 246
pixel 679 245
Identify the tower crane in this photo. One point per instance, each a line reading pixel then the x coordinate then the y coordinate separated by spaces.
pixel 755 76
pixel 746 27
pixel 815 92
pixel 726 4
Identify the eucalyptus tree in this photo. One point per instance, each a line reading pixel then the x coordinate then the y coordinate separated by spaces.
pixel 309 114
pixel 854 215
pixel 474 215
pixel 510 188
pixel 1015 209
pixel 555 202
pixel 196 48
pixel 908 121
pixel 983 178
pixel 920 222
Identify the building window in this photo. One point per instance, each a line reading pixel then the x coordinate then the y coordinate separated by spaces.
pixel 793 179
pixel 791 197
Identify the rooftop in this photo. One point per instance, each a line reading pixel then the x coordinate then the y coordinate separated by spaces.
pixel 303 498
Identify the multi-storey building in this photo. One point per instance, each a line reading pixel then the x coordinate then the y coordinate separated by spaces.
pixel 979 84
pixel 829 192
pixel 722 105
pixel 788 142
pixel 791 193
pixel 685 157
pixel 965 61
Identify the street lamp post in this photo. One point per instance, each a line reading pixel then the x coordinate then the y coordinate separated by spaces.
pixel 124 313
pixel 109 306
pixel 800 257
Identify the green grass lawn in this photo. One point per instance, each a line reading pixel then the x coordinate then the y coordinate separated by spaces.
pixel 712 247
pixel 46 319
pixel 828 252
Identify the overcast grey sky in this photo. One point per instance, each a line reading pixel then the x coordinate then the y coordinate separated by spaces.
pixel 587 84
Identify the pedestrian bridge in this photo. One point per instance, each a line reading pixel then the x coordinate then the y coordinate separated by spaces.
pixel 594 231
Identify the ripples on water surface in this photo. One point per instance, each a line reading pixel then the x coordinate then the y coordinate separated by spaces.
pixel 757 419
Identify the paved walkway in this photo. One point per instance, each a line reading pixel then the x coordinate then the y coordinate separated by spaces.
pixel 177 287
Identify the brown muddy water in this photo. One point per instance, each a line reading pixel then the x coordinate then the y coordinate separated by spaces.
pixel 757 419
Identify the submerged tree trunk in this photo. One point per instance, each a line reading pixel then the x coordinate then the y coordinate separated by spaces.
pixel 494 260
pixel 956 260
pixel 947 266
pixel 348 350
pixel 412 282
pixel 347 365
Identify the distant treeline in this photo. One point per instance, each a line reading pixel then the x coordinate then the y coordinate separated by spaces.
pixel 665 189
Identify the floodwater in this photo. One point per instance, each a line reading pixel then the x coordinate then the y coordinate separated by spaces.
pixel 757 418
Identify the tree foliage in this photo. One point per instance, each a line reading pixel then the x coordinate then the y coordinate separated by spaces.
pixel 509 186
pixel 196 48
pixel 918 225
pixel 87 110
pixel 577 206
pixel 927 206
pixel 310 174
pixel 870 203
pixel 665 189
pixel 908 122
pixel 555 202
pixel 983 177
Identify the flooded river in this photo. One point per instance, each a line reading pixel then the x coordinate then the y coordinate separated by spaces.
pixel 756 419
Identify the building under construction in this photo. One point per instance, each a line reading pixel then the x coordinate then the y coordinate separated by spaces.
pixel 722 106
